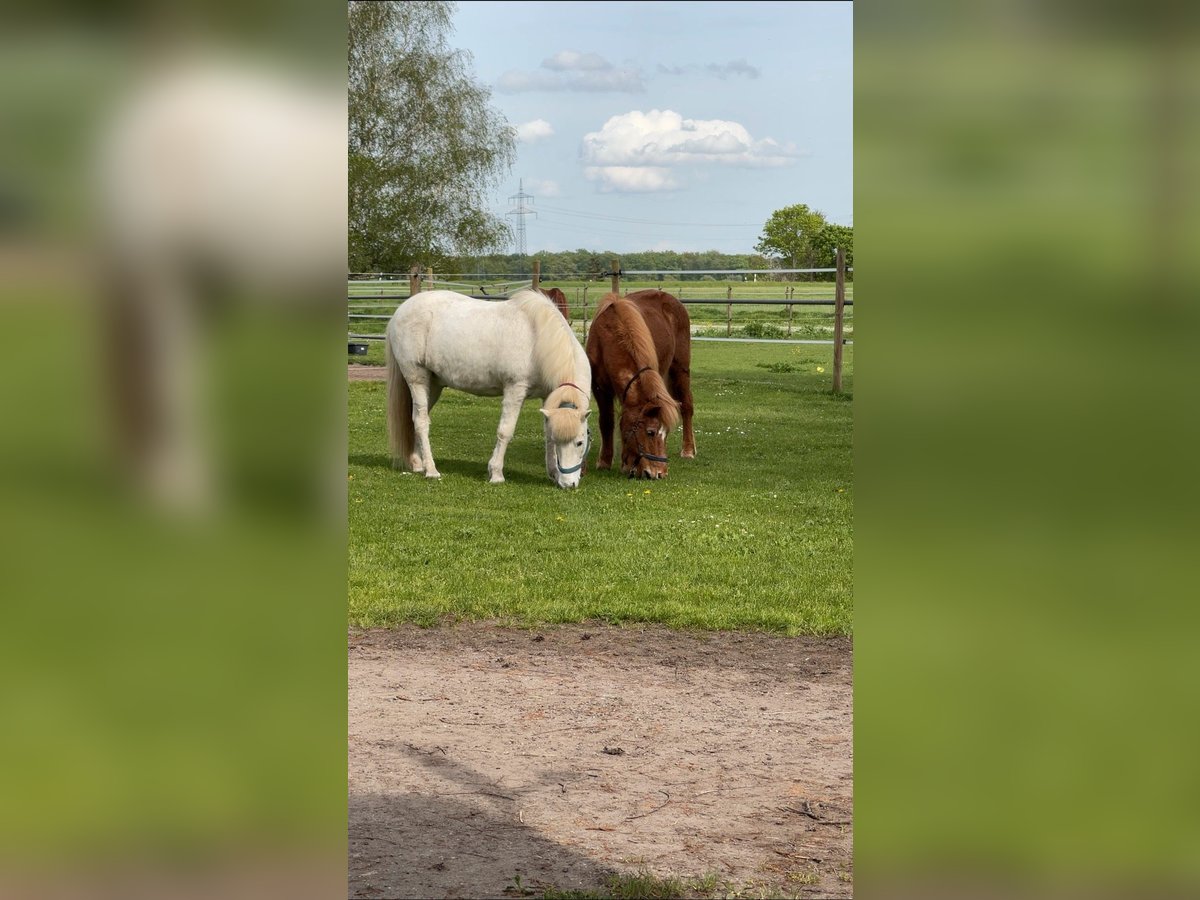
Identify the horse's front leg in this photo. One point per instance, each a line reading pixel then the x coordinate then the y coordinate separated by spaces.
pixel 514 396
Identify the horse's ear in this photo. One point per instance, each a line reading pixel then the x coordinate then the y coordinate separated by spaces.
pixel 652 412
pixel 546 413
pixel 586 413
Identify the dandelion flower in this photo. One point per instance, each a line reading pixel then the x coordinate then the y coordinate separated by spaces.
pixel 820 368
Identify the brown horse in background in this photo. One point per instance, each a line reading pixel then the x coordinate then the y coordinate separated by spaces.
pixel 560 300
pixel 640 350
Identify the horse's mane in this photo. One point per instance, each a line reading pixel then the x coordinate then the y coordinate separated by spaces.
pixel 630 330
pixel 560 300
pixel 631 333
pixel 554 342
pixel 606 301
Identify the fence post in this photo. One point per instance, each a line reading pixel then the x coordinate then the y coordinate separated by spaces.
pixel 789 320
pixel 585 313
pixel 839 303
pixel 616 276
pixel 537 274
pixel 728 311
pixel 414 280
pixel 429 278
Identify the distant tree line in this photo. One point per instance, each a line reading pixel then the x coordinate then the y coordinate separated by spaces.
pixel 593 264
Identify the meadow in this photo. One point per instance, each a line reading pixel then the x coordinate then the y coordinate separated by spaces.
pixel 755 533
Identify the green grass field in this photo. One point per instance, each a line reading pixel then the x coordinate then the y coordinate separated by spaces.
pixel 755 533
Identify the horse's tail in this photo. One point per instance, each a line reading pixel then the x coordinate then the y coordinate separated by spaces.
pixel 399 411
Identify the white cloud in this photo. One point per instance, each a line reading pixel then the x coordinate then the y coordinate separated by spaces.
pixel 516 82
pixel 720 70
pixel 569 70
pixel 640 152
pixel 623 81
pixel 537 130
pixel 542 187
pixel 665 138
pixel 736 67
pixel 631 179
pixel 567 60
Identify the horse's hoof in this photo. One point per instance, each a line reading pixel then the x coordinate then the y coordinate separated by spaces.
pixel 433 473
pixel 688 454
pixel 604 465
pixel 497 479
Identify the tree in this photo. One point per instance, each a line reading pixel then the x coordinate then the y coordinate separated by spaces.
pixel 828 239
pixel 789 234
pixel 424 146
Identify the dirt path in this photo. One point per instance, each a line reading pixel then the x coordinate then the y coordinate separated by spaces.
pixel 568 753
pixel 356 372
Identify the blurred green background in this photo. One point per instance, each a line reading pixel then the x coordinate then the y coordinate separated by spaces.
pixel 1026 216
pixel 172 689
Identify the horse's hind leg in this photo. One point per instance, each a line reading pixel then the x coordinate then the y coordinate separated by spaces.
pixel 514 396
pixel 681 390
pixel 421 394
pixel 159 389
pixel 416 462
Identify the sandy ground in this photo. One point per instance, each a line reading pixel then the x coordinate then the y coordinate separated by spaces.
pixel 568 753
pixel 356 372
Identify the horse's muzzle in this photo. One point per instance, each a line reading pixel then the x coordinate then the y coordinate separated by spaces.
pixel 647 473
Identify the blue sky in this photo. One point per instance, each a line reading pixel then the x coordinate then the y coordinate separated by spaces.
pixel 671 126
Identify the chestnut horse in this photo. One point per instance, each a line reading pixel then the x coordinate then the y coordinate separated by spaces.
pixel 560 300
pixel 640 350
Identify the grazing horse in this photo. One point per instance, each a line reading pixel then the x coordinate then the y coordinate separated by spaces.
pixel 514 348
pixel 639 347
pixel 220 195
pixel 560 300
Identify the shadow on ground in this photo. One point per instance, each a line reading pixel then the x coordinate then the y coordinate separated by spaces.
pixel 480 844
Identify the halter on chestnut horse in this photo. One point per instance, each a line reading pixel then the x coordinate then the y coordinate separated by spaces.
pixel 641 452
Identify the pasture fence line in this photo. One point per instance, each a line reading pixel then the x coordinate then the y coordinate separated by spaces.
pixel 368 292
pixel 839 309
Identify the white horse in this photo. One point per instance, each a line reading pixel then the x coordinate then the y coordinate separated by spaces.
pixel 516 348
pixel 216 174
